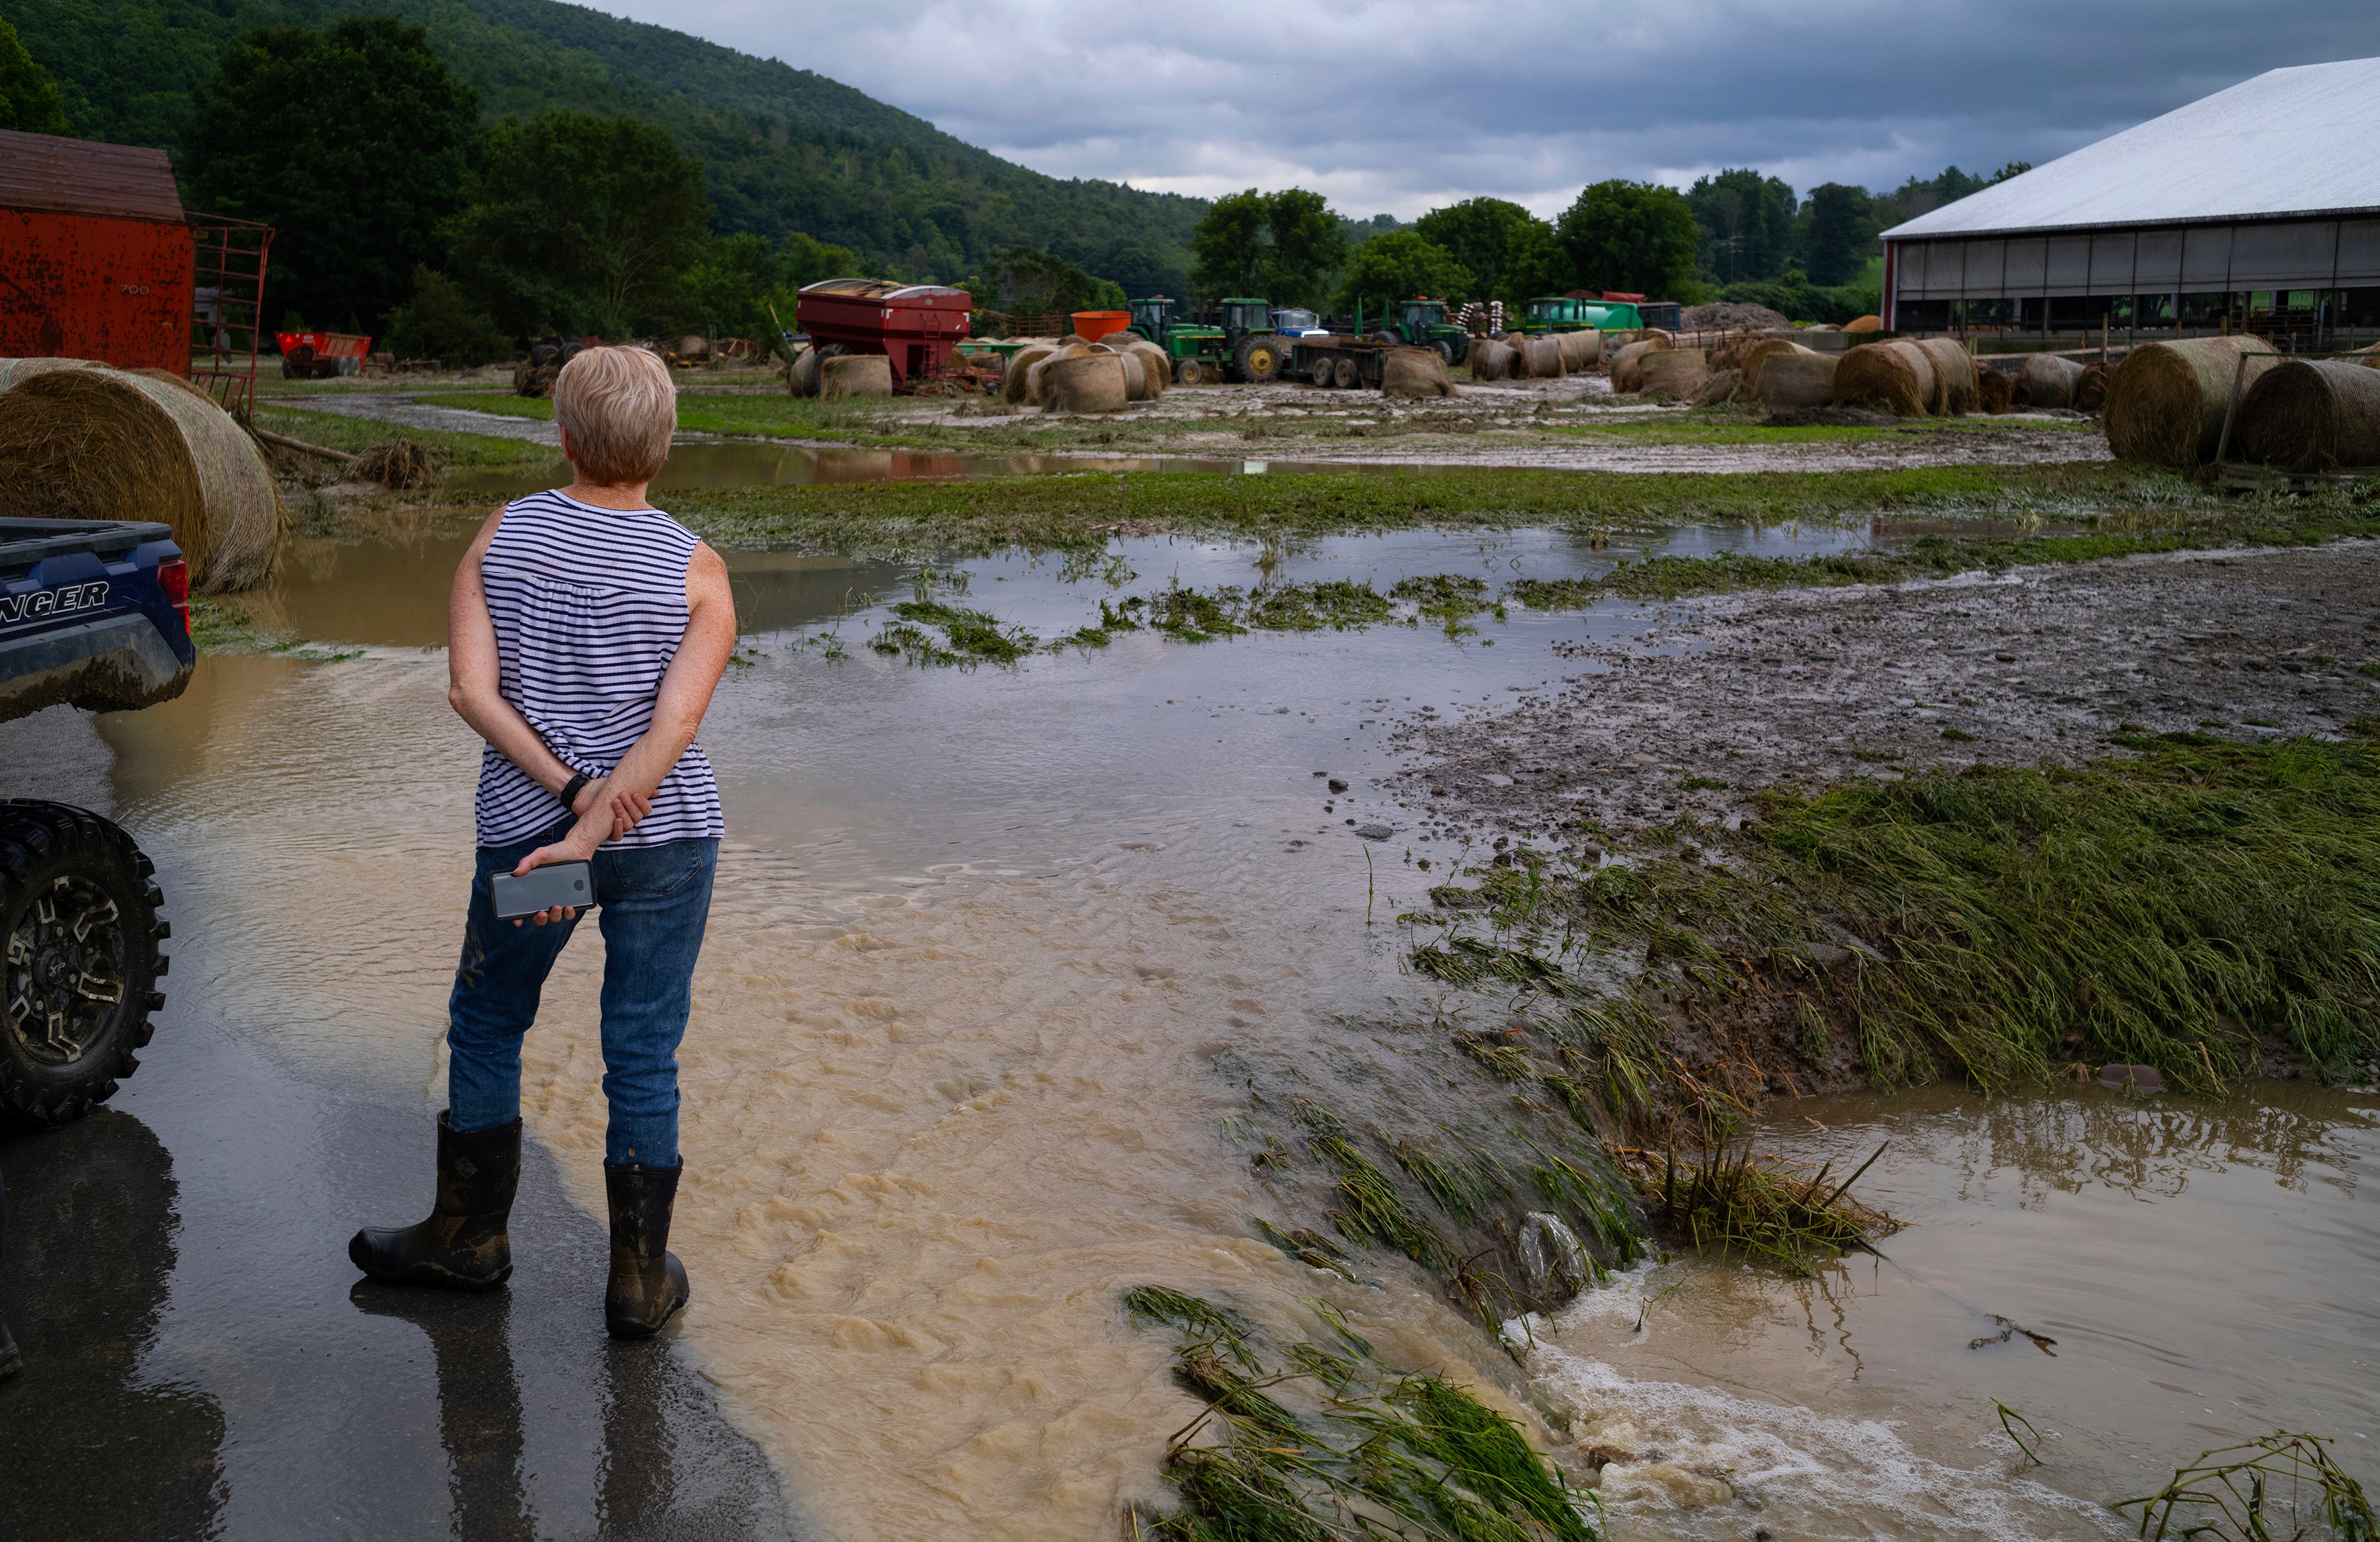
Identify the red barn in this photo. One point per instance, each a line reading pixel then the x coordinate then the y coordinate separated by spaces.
pixel 96 254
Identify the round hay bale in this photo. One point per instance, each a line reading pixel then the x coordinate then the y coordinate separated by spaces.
pixel 2048 380
pixel 1674 374
pixel 1156 369
pixel 1590 343
pixel 2368 357
pixel 1037 380
pixel 1545 356
pixel 1721 387
pixel 1490 359
pixel 99 444
pixel 2311 416
pixel 806 374
pixel 1996 389
pixel 1956 391
pixel 1135 379
pixel 1575 356
pixel 1658 335
pixel 1087 383
pixel 855 374
pixel 2167 401
pixel 1798 378
pixel 13 369
pixel 2091 391
pixel 1894 377
pixel 1865 324
pixel 1020 364
pixel 1751 355
pixel 1416 372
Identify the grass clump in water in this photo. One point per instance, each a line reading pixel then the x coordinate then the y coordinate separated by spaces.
pixel 974 636
pixel 1334 1447
pixel 2251 1492
pixel 1449 599
pixel 1755 1204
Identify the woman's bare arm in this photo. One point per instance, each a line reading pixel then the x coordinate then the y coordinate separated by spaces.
pixel 686 690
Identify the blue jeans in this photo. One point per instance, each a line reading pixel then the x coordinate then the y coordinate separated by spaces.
pixel 652 903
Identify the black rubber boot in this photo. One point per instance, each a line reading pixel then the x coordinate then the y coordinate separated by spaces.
pixel 647 1283
pixel 11 1361
pixel 464 1244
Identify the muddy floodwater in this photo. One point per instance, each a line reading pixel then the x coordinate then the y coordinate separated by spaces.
pixel 993 956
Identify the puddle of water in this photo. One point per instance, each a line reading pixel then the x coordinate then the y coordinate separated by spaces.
pixel 2204 1269
pixel 744 464
pixel 981 941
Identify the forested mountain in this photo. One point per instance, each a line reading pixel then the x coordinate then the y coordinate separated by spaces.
pixel 782 149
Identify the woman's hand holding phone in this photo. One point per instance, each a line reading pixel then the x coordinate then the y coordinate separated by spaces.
pixel 603 816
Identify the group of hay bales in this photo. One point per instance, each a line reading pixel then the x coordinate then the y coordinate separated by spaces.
pixel 2166 403
pixel 834 376
pixel 1542 356
pixel 1935 377
pixel 1077 375
pixel 84 441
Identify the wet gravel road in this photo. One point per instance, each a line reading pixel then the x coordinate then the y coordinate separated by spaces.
pixel 202 1361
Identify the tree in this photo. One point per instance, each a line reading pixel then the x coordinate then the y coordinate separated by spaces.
pixel 30 102
pixel 1637 238
pixel 1834 242
pixel 1284 245
pixel 353 142
pixel 1509 252
pixel 1398 266
pixel 1745 225
pixel 581 221
pixel 1030 282
pixel 443 324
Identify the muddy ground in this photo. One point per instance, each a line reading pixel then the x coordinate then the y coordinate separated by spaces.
pixel 1721 697
pixel 1575 423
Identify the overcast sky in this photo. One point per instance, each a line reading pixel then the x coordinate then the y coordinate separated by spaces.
pixel 1398 107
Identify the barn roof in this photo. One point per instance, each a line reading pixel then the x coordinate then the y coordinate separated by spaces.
pixel 80 176
pixel 2303 141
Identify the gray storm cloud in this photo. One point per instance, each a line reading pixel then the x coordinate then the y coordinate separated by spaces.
pixel 1397 107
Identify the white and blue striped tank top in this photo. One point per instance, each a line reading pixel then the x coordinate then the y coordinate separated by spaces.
pixel 590 607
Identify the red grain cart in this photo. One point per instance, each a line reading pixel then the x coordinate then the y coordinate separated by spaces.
pixel 913 325
pixel 320 355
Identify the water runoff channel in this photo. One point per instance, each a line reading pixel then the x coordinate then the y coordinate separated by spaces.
pixel 988 947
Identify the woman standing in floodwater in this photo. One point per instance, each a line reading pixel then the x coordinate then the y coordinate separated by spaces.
pixel 586 632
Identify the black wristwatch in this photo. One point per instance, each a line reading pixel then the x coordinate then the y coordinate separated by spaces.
pixel 570 789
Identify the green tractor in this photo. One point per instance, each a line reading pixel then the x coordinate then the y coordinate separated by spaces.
pixel 1244 347
pixel 1421 322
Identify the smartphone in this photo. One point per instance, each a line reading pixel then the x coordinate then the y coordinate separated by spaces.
pixel 568 883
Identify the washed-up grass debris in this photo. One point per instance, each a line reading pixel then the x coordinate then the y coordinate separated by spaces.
pixel 1326 1443
pixel 1755 1204
pixel 1083 511
pixel 2278 1487
pixel 2192 908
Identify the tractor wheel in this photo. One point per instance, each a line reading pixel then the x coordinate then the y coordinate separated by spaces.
pixel 1258 360
pixel 77 981
pixel 1348 374
pixel 1189 372
pixel 546 354
pixel 1323 374
pixel 1445 351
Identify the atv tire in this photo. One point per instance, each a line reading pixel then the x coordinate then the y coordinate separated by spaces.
pixel 1258 360
pixel 79 960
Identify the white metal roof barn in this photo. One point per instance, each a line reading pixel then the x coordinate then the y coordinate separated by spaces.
pixel 2257 207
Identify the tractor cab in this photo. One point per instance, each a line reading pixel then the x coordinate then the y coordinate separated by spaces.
pixel 1419 316
pixel 1243 315
pixel 1151 315
pixel 1294 323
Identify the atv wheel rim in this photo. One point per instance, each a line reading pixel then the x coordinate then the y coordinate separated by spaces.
pixel 64 971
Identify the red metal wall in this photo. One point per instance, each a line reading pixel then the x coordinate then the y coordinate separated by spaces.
pixel 85 286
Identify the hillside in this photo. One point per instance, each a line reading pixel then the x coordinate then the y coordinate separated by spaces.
pixel 784 149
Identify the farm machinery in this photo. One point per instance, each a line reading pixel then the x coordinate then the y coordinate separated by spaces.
pixel 1239 343
pixel 1421 322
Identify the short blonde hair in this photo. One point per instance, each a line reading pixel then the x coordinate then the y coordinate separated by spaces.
pixel 620 407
